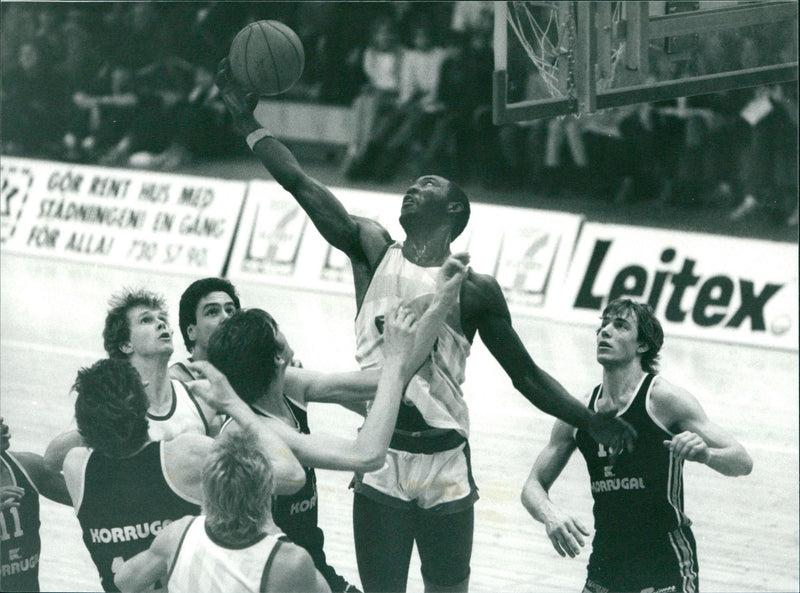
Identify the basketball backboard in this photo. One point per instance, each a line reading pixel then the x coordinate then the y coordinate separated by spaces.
pixel 554 58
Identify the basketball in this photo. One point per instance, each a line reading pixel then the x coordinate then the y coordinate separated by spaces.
pixel 266 57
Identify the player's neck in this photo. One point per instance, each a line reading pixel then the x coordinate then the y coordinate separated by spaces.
pixel 273 403
pixel 620 382
pixel 430 249
pixel 155 375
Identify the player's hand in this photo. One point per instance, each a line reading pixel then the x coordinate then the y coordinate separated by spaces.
pixel 212 387
pixel 239 102
pixel 689 446
pixel 399 332
pixel 566 533
pixel 615 433
pixel 451 275
pixel 9 496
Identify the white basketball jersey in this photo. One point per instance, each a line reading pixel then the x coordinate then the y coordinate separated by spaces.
pixel 183 416
pixel 436 388
pixel 203 566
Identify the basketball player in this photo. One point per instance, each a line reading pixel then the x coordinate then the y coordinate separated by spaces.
pixel 23 477
pixel 252 352
pixel 137 330
pixel 643 540
pixel 405 501
pixel 125 487
pixel 234 545
pixel 203 305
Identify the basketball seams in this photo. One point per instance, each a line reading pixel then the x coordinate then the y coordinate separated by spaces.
pixel 275 68
pixel 269 63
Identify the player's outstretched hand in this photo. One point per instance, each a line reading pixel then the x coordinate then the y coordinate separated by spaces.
pixel 239 102
pixel 613 432
pixel 451 275
pixel 566 533
pixel 398 332
pixel 213 387
pixel 690 446
pixel 9 496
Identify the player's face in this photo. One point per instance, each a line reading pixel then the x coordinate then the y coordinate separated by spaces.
pixel 617 340
pixel 425 200
pixel 151 333
pixel 213 309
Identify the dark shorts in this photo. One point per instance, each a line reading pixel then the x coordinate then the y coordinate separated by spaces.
pixel 664 564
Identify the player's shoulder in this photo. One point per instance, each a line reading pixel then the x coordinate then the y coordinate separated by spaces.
pixel 178 371
pixel 481 291
pixel 670 402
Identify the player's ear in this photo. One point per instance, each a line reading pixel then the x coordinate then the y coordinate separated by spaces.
pixel 455 207
pixel 126 348
pixel 191 332
pixel 642 348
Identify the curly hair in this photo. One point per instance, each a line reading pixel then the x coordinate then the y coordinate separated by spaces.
pixel 117 330
pixel 111 407
pixel 187 310
pixel 648 328
pixel 237 487
pixel 243 348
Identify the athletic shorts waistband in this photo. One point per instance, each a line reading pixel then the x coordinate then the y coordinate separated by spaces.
pixel 432 441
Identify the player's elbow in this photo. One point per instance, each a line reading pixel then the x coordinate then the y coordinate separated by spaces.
pixel 369 461
pixel 745 465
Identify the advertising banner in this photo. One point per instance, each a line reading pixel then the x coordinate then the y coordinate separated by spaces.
pixel 526 250
pixel 119 217
pixel 706 286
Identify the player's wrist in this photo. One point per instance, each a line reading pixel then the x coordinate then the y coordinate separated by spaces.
pixel 256 136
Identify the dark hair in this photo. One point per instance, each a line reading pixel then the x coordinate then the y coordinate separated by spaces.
pixel 187 309
pixel 456 194
pixel 237 487
pixel 648 328
pixel 117 331
pixel 111 407
pixel 243 348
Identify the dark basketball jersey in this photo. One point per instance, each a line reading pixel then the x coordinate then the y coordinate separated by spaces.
pixel 296 514
pixel 19 533
pixel 641 532
pixel 125 504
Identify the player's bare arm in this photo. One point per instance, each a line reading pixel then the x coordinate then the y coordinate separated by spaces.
pixel 565 531
pixel 151 565
pixel 325 210
pixel 367 451
pixel 58 448
pixel 218 393
pixel 293 570
pixel 49 484
pixel 485 311
pixel 697 438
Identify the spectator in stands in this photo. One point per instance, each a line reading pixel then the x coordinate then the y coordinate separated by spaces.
pixel 33 104
pixel 380 62
pixel 417 103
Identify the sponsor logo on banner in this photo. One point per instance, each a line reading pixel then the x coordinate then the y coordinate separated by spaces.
pixel 273 236
pixel 699 285
pixel 121 217
pixel 15 185
pixel 524 264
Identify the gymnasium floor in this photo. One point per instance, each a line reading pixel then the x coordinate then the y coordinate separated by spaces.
pixel 747 528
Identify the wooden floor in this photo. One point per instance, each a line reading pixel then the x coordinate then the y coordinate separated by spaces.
pixel 746 528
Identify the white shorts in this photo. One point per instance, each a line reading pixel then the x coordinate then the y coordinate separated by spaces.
pixel 438 482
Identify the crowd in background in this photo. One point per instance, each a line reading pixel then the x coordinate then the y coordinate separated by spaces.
pixel 131 84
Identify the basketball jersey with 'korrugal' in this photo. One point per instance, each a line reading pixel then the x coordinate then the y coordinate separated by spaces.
pixel 641 494
pixel 124 504
pixel 20 544
pixel 435 391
